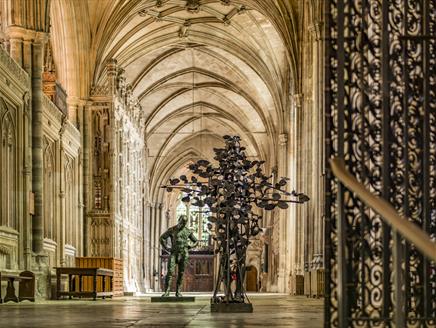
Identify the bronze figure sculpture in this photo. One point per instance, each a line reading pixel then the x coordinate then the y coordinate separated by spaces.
pixel 180 236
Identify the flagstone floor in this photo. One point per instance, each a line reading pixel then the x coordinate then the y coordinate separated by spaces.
pixel 270 310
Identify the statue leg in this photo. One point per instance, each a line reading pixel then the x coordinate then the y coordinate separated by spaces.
pixel 183 260
pixel 169 276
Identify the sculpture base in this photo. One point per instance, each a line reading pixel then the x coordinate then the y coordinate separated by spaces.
pixel 172 299
pixel 231 308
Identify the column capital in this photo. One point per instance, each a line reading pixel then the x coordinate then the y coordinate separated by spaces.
pixel 17 32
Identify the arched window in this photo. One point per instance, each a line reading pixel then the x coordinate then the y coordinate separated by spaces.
pixel 8 171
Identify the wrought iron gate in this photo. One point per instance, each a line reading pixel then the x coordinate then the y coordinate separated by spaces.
pixel 381 118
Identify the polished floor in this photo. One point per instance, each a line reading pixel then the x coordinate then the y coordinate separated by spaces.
pixel 270 310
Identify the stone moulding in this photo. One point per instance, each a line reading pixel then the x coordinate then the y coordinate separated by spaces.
pixel 51 108
pixel 11 66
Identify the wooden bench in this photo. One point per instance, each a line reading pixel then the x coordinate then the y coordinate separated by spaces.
pixel 26 287
pixel 79 273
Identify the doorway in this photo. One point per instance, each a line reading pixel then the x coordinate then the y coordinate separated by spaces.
pixel 251 279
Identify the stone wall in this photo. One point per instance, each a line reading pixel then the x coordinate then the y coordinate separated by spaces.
pixel 116 177
pixel 15 166
pixel 62 217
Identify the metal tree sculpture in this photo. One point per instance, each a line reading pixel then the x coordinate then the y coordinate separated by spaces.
pixel 231 190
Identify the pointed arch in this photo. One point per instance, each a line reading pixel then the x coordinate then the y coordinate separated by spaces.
pixel 8 167
pixel 49 187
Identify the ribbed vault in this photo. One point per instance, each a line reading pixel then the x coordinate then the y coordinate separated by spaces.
pixel 199 68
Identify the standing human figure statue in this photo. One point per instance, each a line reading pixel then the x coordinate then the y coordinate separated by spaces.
pixel 182 240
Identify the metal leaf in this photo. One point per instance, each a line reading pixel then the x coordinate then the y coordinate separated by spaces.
pixel 283 205
pixel 276 196
pixel 270 207
pixel 174 181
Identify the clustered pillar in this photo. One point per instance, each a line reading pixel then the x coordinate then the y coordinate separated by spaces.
pixel 26 48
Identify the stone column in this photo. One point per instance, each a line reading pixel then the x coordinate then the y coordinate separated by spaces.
pixel 317 148
pixel 301 172
pixel 27 185
pixel 155 232
pixel 161 219
pixel 152 243
pixel 296 225
pixel 319 246
pixel 78 211
pixel 283 219
pixel 146 245
pixel 37 138
pixel 85 129
pixel 62 200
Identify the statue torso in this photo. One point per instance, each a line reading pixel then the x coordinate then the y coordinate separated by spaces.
pixel 180 239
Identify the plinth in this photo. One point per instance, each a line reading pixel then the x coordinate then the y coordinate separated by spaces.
pixel 231 307
pixel 172 299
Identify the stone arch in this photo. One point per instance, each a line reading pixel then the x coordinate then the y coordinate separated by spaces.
pixel 8 166
pixel 49 187
pixel 71 225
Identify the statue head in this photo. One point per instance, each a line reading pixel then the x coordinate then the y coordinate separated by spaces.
pixel 182 221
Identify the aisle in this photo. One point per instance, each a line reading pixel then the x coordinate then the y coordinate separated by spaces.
pixel 270 310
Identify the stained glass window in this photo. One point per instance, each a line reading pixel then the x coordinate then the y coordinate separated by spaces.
pixel 198 219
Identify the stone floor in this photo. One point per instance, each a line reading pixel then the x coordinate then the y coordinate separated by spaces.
pixel 270 310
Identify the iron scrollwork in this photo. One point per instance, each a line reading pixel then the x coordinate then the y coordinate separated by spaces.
pixel 380 104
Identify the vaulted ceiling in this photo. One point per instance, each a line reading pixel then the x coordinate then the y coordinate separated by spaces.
pixel 200 68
